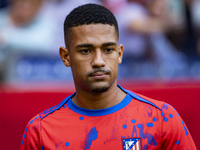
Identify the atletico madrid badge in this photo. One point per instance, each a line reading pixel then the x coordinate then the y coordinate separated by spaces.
pixel 131 143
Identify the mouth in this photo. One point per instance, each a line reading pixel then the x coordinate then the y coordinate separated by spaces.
pixel 99 74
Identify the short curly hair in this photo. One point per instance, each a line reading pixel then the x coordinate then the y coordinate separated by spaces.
pixel 88 14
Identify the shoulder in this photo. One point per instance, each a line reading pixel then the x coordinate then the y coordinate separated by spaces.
pixel 166 110
pixel 34 127
pixel 55 108
pixel 175 134
pixel 144 99
pixel 154 102
pixel 158 104
pixel 31 134
pixel 39 117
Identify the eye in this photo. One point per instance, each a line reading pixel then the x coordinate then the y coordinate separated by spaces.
pixel 85 51
pixel 108 50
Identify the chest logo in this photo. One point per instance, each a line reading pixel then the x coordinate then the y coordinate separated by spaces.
pixel 131 143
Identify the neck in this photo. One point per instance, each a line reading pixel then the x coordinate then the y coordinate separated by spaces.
pixel 103 100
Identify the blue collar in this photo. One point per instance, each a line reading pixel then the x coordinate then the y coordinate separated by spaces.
pixel 100 112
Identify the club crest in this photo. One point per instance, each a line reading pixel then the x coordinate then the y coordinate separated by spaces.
pixel 131 143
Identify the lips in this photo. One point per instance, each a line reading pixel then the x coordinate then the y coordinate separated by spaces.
pixel 99 74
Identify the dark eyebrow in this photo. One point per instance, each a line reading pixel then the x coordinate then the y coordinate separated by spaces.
pixel 91 45
pixel 84 45
pixel 109 44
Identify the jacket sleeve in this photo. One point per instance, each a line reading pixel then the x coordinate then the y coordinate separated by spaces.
pixel 31 137
pixel 175 134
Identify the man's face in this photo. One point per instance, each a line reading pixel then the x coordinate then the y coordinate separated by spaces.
pixel 94 55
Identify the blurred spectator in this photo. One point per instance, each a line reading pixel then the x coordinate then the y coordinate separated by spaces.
pixel 181 19
pixel 170 16
pixel 183 36
pixel 24 29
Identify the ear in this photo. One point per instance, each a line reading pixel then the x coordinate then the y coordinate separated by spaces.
pixel 64 54
pixel 121 50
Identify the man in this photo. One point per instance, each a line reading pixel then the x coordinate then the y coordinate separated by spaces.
pixel 101 115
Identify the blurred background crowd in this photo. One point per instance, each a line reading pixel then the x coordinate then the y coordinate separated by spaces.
pixel 161 39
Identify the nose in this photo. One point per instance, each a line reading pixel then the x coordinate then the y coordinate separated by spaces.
pixel 98 60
